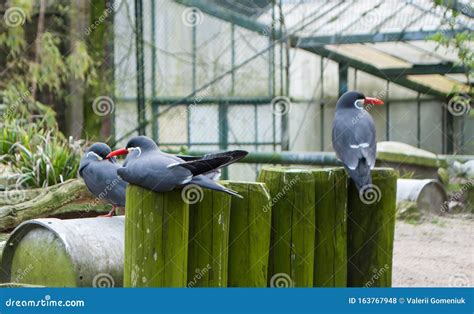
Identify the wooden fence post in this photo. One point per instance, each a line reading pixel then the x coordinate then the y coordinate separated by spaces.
pixel 291 260
pixel 208 237
pixel 330 254
pixel 371 226
pixel 249 240
pixel 156 238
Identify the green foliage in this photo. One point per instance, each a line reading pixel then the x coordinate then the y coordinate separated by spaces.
pixel 460 43
pixel 38 152
pixel 30 141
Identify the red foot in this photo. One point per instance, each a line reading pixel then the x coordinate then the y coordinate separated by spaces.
pixel 110 214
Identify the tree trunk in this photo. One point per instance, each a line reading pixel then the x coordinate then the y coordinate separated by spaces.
pixel 156 239
pixel 371 227
pixel 208 238
pixel 71 199
pixel 293 232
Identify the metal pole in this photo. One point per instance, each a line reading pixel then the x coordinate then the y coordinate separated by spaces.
pixel 154 106
pixel 232 47
pixel 342 78
pixel 321 106
pixel 418 120
pixel 223 132
pixel 387 116
pixel 141 112
pixel 284 69
pixel 188 107
pixel 272 71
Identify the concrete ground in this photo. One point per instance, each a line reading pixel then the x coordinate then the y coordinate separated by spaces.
pixel 436 253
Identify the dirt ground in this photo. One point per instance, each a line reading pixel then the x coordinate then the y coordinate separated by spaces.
pixel 436 253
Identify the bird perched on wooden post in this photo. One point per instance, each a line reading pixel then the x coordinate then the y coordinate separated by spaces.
pixel 353 136
pixel 147 166
pixel 100 176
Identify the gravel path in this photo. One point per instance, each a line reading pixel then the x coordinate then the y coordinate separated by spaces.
pixel 439 253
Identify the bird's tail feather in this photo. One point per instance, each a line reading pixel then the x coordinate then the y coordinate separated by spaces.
pixel 361 175
pixel 208 183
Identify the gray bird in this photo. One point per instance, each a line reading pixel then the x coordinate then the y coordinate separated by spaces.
pixel 100 176
pixel 147 166
pixel 353 136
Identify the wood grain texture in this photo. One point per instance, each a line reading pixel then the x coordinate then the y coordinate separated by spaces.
pixel 371 226
pixel 156 239
pixel 293 228
pixel 209 239
pixel 249 239
pixel 330 253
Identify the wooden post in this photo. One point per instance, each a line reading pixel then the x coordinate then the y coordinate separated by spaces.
pixel 156 238
pixel 370 226
pixel 249 239
pixel 208 238
pixel 330 253
pixel 292 238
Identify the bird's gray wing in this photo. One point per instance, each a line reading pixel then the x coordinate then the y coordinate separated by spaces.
pixel 102 180
pixel 365 134
pixel 354 140
pixel 151 171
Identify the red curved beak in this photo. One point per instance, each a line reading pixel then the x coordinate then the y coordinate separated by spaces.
pixel 373 101
pixel 121 151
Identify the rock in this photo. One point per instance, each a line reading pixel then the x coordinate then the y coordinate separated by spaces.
pixel 467 169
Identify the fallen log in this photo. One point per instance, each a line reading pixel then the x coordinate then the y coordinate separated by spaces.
pixel 70 199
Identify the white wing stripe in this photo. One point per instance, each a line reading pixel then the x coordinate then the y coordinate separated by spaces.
pixel 361 145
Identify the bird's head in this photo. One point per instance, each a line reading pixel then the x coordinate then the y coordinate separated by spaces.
pixel 353 99
pixel 136 146
pixel 97 151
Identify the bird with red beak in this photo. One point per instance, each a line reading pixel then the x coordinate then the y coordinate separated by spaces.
pixel 147 166
pixel 353 136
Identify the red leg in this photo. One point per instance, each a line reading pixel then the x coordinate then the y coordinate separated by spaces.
pixel 111 212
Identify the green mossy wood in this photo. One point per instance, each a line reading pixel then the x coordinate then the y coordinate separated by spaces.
pixel 371 226
pixel 208 239
pixel 249 240
pixel 156 238
pixel 330 254
pixel 293 229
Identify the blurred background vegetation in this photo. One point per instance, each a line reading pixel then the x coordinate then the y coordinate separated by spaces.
pixel 52 69
pixel 54 61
